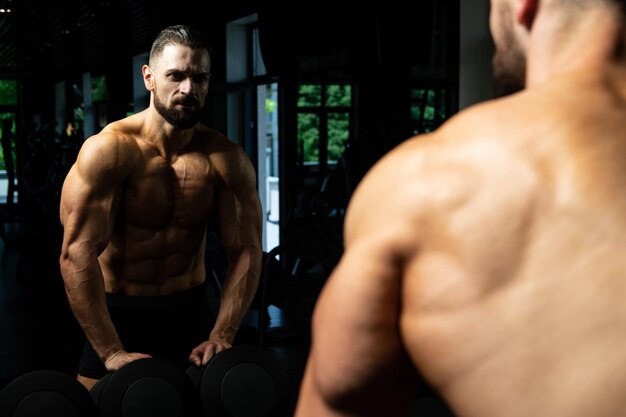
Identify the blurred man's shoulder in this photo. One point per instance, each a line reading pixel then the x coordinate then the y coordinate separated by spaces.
pixel 440 170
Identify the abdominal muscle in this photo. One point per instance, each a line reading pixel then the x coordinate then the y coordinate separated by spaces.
pixel 154 262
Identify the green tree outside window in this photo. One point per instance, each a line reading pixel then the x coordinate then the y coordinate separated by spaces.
pixel 314 102
pixel 10 116
pixel 8 92
pixel 308 137
pixel 8 97
pixel 338 133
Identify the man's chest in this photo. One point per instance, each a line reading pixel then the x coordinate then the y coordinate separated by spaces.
pixel 161 192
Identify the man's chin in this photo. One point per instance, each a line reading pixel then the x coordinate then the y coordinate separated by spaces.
pixel 184 124
pixel 184 118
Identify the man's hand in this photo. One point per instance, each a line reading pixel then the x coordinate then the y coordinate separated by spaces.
pixel 121 358
pixel 202 353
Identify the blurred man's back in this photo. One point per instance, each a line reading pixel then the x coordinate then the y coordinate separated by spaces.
pixel 486 256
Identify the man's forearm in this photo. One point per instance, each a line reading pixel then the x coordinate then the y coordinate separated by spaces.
pixel 87 299
pixel 240 287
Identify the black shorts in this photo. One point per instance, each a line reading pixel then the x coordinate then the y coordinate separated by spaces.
pixel 168 327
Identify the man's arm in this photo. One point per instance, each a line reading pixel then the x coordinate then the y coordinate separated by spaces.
pixel 240 222
pixel 358 365
pixel 89 202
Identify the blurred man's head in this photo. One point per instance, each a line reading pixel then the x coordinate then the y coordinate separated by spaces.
pixel 511 22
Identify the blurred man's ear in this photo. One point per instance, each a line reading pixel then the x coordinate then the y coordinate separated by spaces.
pixel 526 11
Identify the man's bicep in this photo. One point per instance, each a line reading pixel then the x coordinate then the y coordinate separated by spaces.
pixel 89 200
pixel 239 209
pixel 356 342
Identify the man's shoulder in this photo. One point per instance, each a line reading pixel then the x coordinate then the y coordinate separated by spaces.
pixel 485 120
pixel 213 141
pixel 409 179
pixel 113 149
pixel 431 176
pixel 124 132
pixel 227 157
pixel 108 148
pixel 479 139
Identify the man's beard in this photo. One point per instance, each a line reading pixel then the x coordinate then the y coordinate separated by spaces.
pixel 179 118
pixel 509 76
pixel 509 66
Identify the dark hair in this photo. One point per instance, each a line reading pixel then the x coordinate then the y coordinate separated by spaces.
pixel 181 35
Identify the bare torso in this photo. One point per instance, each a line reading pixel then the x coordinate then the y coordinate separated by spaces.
pixel 157 245
pixel 513 301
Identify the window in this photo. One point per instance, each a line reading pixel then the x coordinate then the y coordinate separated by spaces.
pixel 8 92
pixel 99 88
pixel 428 108
pixel 8 103
pixel 323 117
pixel 11 118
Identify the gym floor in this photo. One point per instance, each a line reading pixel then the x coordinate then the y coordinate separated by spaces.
pixel 38 330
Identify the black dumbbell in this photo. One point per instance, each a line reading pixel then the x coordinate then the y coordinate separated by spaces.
pixel 243 381
pixel 48 393
pixel 149 387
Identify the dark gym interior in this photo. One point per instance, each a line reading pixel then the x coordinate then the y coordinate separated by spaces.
pixel 314 92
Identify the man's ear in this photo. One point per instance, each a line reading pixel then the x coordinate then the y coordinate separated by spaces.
pixel 526 12
pixel 148 77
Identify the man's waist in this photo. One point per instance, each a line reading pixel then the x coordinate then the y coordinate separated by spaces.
pixel 197 292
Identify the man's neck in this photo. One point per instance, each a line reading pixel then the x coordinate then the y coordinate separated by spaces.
pixel 166 139
pixel 590 43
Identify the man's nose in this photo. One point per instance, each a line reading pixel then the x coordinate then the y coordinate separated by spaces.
pixel 186 85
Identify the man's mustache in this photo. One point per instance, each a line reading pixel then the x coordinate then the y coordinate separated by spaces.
pixel 190 101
